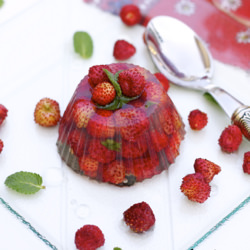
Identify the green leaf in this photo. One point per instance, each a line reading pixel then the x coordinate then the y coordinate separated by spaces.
pixel 1 3
pixel 112 145
pixel 83 44
pixel 117 248
pixel 210 98
pixel 24 182
pixel 113 78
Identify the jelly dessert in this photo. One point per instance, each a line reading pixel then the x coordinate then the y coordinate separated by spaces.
pixel 120 126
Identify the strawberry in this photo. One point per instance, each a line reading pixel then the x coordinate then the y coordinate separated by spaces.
pixel 246 162
pixel 82 112
pixel 99 152
pixel 103 93
pixel 139 217
pixel 230 139
pixel 197 119
pixel 1 146
pixel 123 50
pixel 163 80
pixel 114 172
pixel 171 149
pixel 154 92
pixel 207 168
pixel 47 112
pixel 88 165
pixel 134 149
pixel 130 14
pixel 76 140
pixel 159 140
pixel 89 237
pixel 165 119
pixel 131 123
pixel 195 187
pixel 97 75
pixel 102 124
pixel 132 82
pixel 3 113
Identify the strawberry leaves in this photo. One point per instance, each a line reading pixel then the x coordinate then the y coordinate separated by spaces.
pixel 24 182
pixel 120 99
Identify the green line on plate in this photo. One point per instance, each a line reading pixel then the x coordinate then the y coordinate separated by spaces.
pixel 220 223
pixel 27 224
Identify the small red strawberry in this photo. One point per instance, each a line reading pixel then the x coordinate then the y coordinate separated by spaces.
pixel 154 92
pixel 130 14
pixel 207 168
pixel 131 123
pixel 97 75
pixel 132 82
pixel 103 93
pixel 88 165
pixel 195 187
pixel 230 139
pixel 114 172
pixel 47 112
pixel 165 119
pixel 82 112
pixel 76 140
pixel 3 113
pixel 123 50
pixel 159 140
pixel 99 152
pixel 172 149
pixel 1 146
pixel 102 124
pixel 139 217
pixel 197 119
pixel 246 163
pixel 89 237
pixel 163 80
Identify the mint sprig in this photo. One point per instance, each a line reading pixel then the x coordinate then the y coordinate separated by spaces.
pixel 83 44
pixel 25 182
pixel 1 3
pixel 111 145
pixel 120 99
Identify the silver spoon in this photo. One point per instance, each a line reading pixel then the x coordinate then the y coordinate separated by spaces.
pixel 180 54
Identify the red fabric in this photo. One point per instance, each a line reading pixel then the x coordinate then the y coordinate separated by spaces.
pixel 223 24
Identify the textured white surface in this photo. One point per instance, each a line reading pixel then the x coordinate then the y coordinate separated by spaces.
pixel 37 59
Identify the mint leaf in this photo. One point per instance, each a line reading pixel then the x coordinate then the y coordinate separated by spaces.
pixel 1 3
pixel 113 78
pixel 210 98
pixel 24 182
pixel 111 144
pixel 117 248
pixel 83 44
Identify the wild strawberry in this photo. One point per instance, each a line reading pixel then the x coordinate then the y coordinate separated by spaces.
pixel 76 140
pixel 195 187
pixel 159 140
pixel 139 217
pixel 123 50
pixel 165 119
pixel 102 124
pixel 82 112
pixel 134 149
pixel 103 93
pixel 1 146
pixel 114 172
pixel 207 168
pixel 197 119
pixel 163 80
pixel 88 165
pixel 130 14
pixel 3 113
pixel 47 112
pixel 132 82
pixel 97 75
pixel 171 149
pixel 131 123
pixel 230 139
pixel 89 237
pixel 99 152
pixel 246 163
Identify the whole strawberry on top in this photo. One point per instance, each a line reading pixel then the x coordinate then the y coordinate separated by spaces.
pixel 120 126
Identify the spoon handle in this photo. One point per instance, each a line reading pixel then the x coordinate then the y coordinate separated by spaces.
pixel 236 110
pixel 241 118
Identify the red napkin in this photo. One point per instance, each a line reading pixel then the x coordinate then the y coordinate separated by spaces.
pixel 223 24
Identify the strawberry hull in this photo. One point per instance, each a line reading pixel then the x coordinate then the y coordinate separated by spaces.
pixel 125 142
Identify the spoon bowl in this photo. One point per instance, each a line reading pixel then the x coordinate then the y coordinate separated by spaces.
pixel 181 55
